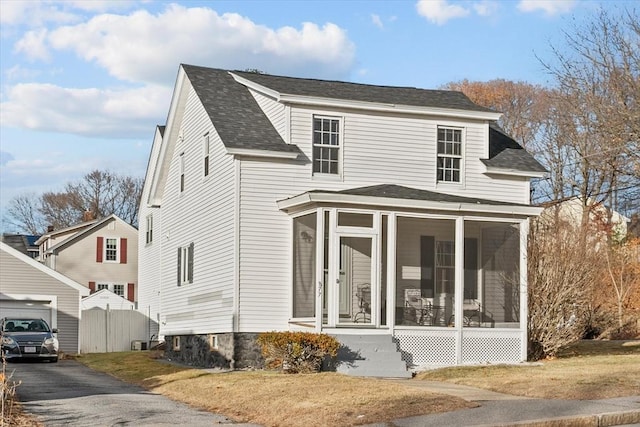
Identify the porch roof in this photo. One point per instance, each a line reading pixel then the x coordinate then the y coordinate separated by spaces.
pixel 397 196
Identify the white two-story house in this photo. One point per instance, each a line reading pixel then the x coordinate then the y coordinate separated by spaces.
pixel 279 203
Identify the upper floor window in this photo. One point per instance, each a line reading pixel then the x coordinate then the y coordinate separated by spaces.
pixel 449 154
pixel 206 150
pixel 149 230
pixel 326 145
pixel 111 249
pixel 181 172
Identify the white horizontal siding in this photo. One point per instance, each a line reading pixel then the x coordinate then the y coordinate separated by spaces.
pixel 401 149
pixel 274 111
pixel 202 214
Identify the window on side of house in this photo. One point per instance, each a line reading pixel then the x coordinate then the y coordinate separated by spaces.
pixel 181 172
pixel 111 249
pixel 326 145
pixel 149 230
pixel 102 286
pixel 445 267
pixel 449 154
pixel 118 289
pixel 206 148
pixel 185 264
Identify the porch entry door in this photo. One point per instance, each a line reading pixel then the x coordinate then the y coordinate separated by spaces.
pixel 356 280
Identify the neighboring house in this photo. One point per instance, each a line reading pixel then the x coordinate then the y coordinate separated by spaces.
pixel 99 254
pixel 602 221
pixel 29 289
pixel 25 243
pixel 278 203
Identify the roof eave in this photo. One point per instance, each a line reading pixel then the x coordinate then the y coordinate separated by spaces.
pixel 272 154
pixel 514 172
pixel 308 198
pixel 389 108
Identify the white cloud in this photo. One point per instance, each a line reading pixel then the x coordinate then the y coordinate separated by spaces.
pixel 550 7
pixel 145 47
pixel 375 19
pixel 440 11
pixel 33 45
pixel 87 112
pixel 34 13
pixel 486 7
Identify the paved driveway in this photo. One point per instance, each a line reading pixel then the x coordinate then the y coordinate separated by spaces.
pixel 68 393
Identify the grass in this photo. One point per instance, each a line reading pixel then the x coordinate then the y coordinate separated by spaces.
pixel 586 370
pixel 276 399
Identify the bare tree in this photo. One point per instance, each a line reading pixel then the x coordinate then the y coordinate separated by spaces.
pixel 101 193
pixel 23 213
pixel 561 276
pixel 597 108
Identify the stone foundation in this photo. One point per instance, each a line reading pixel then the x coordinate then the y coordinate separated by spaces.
pixel 224 351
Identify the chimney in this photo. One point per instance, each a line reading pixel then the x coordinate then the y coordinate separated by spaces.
pixel 87 216
pixel 50 228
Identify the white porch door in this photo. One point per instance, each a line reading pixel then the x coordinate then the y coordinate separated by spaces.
pixel 356 281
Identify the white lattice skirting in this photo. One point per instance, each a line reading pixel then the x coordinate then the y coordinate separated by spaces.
pixel 424 349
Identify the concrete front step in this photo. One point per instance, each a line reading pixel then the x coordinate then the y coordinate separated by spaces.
pixel 370 356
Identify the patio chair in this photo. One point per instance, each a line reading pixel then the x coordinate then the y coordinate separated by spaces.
pixel 363 293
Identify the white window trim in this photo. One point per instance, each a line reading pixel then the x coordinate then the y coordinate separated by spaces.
pixel 181 177
pixel 339 147
pixel 104 250
pixel 463 138
pixel 206 155
pixel 149 229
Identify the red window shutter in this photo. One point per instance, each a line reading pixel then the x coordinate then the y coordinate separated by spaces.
pixel 123 251
pixel 131 292
pixel 99 248
pixel 92 287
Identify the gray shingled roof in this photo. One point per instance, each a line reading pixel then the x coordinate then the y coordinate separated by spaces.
pixel 365 93
pixel 506 153
pixel 393 191
pixel 238 119
pixel 242 124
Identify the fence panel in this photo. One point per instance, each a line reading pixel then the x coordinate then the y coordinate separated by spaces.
pixel 104 331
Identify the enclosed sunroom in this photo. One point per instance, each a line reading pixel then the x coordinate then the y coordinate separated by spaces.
pixel 444 275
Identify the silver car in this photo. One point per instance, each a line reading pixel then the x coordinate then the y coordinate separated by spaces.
pixel 26 338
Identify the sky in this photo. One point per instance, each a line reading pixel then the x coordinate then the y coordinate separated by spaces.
pixel 84 83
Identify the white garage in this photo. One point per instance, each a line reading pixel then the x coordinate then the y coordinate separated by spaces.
pixel 30 289
pixel 41 307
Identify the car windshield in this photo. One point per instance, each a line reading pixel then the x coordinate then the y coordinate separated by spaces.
pixel 25 325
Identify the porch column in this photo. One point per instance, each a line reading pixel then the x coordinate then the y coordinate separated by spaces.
pixel 319 266
pixel 524 299
pixel 392 244
pixel 459 286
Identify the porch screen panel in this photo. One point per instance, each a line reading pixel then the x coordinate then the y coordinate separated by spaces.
pixel 304 259
pixel 501 277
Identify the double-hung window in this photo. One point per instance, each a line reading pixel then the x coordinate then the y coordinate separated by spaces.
pixel 445 267
pixel 111 249
pixel 149 231
pixel 206 146
pixel 185 264
pixel 449 154
pixel 181 172
pixel 326 145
